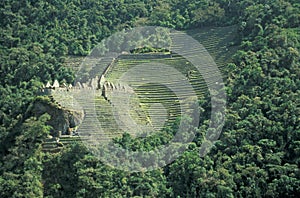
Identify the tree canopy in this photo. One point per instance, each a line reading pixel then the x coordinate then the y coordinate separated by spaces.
pixel 258 153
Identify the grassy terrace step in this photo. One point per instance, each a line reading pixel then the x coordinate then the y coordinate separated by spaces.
pixel 217 42
pixel 106 117
pixel 50 145
pixel 150 94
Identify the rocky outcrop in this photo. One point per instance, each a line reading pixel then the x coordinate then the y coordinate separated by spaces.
pixel 62 120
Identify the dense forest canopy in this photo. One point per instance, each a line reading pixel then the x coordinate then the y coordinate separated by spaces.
pixel 258 153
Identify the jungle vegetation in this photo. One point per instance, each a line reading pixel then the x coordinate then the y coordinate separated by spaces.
pixel 258 152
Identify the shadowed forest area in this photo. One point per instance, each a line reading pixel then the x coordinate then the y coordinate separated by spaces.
pixel 255 44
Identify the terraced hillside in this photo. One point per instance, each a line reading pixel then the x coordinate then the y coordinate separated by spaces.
pixel 218 41
pixel 153 104
pixel 158 103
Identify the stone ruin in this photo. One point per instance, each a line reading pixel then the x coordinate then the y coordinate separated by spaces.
pixel 101 83
pixel 106 87
pixel 91 84
pixel 109 88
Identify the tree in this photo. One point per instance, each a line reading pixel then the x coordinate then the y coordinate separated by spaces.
pixel 23 165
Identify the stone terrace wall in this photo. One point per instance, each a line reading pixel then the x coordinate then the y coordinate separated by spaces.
pixel 145 56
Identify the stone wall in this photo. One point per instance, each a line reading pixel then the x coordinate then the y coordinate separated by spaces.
pixel 145 56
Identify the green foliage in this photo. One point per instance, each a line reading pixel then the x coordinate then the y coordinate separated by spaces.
pixel 187 14
pixel 75 172
pixel 258 152
pixel 21 172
